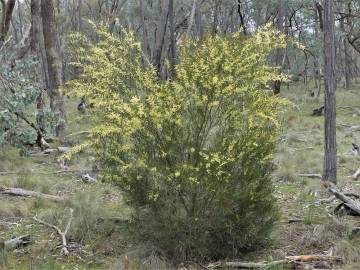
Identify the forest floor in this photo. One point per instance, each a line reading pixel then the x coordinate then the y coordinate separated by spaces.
pixel 95 240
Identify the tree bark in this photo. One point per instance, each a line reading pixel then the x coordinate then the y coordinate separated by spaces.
pixel 54 65
pixel 282 10
pixel 330 168
pixel 8 9
pixel 191 19
pixel 347 59
pixel 198 21
pixel 172 38
pixel 160 36
pixel 241 16
pixel 217 5
pixel 146 48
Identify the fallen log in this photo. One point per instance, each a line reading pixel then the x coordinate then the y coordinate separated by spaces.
pixel 310 175
pixel 16 242
pixel 62 234
pixel 267 265
pixel 7 173
pixel 353 205
pixel 354 128
pixel 246 265
pixel 29 193
pixel 60 149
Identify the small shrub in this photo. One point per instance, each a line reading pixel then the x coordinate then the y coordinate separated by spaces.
pixel 192 155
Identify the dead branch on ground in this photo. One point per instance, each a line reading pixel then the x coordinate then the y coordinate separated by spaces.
pixel 267 265
pixel 16 242
pixel 310 175
pixel 28 193
pixel 62 234
pixel 356 175
pixel 348 202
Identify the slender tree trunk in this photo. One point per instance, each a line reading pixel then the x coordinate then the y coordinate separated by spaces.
pixel 8 9
pixel 54 64
pixel 346 59
pixel 144 30
pixel 172 38
pixel 79 15
pixel 280 53
pixel 160 36
pixel 35 48
pixel 115 7
pixel 191 18
pixel 198 21
pixel 241 16
pixel 217 4
pixel 330 169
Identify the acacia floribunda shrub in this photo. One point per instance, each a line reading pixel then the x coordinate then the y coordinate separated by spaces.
pixel 191 155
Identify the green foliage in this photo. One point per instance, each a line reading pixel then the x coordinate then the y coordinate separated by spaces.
pixel 192 155
pixel 19 90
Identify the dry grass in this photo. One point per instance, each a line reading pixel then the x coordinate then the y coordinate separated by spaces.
pixel 300 150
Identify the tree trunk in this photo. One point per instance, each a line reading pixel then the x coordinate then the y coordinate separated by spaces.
pixel 198 21
pixel 35 48
pixel 6 19
pixel 347 59
pixel 330 169
pixel 282 10
pixel 79 16
pixel 54 65
pixel 160 36
pixel 146 48
pixel 217 4
pixel 172 38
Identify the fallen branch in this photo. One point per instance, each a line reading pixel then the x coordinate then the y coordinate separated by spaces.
pixel 353 205
pixel 355 149
pixel 356 175
pixel 295 220
pixel 28 193
pixel 86 178
pixel 15 242
pixel 7 173
pixel 246 265
pixel 266 265
pixel 354 109
pixel 326 200
pixel 62 234
pixel 354 128
pixel 60 149
pixel 310 175
pixel 78 133
pixel 318 112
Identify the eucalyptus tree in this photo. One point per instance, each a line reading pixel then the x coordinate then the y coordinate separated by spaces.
pixel 330 168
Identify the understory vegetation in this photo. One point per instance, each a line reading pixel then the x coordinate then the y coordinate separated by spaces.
pixel 101 214
pixel 192 157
